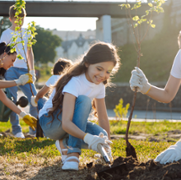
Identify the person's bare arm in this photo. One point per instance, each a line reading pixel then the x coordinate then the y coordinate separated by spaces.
pixel 7 84
pixel 8 102
pixel 166 94
pixel 67 116
pixel 42 92
pixel 102 115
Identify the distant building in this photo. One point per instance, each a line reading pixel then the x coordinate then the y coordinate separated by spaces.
pixel 73 49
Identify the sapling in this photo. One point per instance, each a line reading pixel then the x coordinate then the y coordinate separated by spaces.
pixel 18 33
pixel 136 22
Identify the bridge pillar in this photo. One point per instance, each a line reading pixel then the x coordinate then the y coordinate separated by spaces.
pixel 103 29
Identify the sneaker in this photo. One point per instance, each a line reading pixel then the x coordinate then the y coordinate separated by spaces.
pixel 71 165
pixel 20 135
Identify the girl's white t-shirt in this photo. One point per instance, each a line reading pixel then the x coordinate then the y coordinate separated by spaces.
pixel 176 67
pixel 52 80
pixel 78 85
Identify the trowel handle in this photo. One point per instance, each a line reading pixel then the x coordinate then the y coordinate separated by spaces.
pixel 103 152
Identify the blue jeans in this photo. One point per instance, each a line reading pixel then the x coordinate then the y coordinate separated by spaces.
pixel 41 103
pixel 80 119
pixel 11 74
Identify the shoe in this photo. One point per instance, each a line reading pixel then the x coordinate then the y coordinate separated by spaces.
pixel 20 135
pixel 71 165
pixel 57 144
pixel 30 135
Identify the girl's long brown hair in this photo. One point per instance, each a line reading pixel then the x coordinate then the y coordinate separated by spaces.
pixel 98 52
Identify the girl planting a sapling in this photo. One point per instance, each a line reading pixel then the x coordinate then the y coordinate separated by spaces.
pixel 64 117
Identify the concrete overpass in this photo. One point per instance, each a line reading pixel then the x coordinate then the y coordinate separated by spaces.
pixel 72 9
pixel 103 10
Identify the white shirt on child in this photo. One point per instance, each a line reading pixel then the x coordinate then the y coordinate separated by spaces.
pixel 78 85
pixel 52 80
pixel 176 67
pixel 6 37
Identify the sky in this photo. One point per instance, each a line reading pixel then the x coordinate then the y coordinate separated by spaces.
pixel 63 24
pixel 67 24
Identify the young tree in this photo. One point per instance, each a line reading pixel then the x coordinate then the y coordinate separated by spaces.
pixel 136 22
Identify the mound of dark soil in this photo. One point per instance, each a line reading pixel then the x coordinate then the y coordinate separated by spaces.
pixel 130 168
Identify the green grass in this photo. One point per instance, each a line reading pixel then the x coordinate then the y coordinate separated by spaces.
pixel 119 127
pixel 42 151
pixel 33 151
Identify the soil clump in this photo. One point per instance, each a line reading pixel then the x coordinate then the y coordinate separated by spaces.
pixel 130 168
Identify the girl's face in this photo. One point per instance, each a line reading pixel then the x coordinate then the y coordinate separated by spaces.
pixel 99 72
pixel 8 60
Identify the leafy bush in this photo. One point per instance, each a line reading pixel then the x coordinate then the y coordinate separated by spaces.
pixel 121 111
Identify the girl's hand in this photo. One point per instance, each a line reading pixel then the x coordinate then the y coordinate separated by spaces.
pixel 24 79
pixel 33 102
pixel 173 153
pixel 93 141
pixel 138 80
pixel 28 119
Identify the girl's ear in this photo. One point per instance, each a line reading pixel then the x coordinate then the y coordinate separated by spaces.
pixel 10 19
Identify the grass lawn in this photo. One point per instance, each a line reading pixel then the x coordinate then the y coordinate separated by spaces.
pixel 39 159
pixel 33 151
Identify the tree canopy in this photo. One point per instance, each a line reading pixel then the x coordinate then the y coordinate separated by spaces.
pixel 4 24
pixel 45 47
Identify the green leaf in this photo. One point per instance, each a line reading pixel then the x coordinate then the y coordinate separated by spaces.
pixel 135 18
pixel 153 25
pixel 150 4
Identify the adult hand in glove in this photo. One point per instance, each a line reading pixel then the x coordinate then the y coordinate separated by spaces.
pixel 173 153
pixel 33 101
pixel 32 72
pixel 138 80
pixel 24 79
pixel 93 141
pixel 28 119
pixel 108 149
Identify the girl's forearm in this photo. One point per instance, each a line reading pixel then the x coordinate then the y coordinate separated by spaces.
pixel 11 105
pixel 73 130
pixel 105 125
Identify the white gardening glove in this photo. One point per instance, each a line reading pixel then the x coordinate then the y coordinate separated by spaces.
pixel 93 141
pixel 173 153
pixel 32 72
pixel 138 80
pixel 24 79
pixel 33 102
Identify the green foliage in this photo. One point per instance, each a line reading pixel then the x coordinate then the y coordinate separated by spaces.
pixel 18 32
pixel 158 53
pixel 4 24
pixel 121 111
pixel 46 44
pixel 154 7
